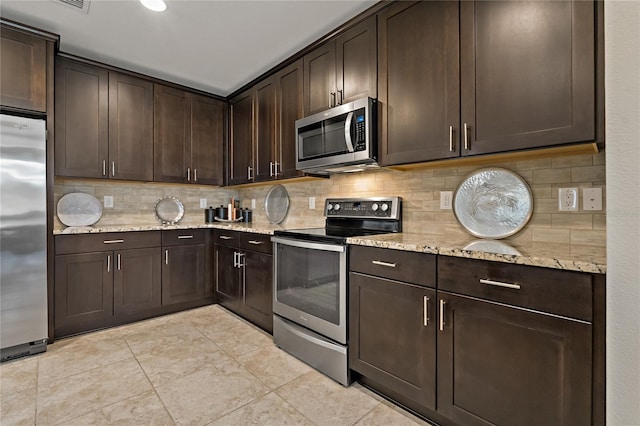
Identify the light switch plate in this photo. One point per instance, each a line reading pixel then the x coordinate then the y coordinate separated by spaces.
pixel 253 204
pixel 446 200
pixel 203 203
pixel 568 199
pixel 108 201
pixel 312 203
pixel 592 199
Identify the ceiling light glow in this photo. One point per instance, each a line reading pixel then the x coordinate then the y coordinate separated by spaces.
pixel 155 5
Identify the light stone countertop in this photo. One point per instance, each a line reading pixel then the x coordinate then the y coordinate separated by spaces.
pixel 583 258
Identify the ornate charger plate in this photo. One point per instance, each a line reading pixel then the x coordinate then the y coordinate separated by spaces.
pixel 79 209
pixel 276 204
pixel 169 210
pixel 493 203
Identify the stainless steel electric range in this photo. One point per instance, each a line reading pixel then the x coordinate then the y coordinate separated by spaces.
pixel 310 280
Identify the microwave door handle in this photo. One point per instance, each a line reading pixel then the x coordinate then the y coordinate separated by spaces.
pixel 347 132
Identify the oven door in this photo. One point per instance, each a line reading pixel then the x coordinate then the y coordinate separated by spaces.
pixel 310 285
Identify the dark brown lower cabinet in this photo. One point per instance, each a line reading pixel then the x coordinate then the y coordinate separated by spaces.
pixel 393 336
pixel 83 292
pixel 227 284
pixel 183 273
pixel 257 289
pixel 136 282
pixel 502 365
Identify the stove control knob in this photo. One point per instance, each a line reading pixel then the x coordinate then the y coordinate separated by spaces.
pixel 374 207
pixel 384 207
pixel 336 207
pixel 329 206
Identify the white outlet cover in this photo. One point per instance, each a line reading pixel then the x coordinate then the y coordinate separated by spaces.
pixel 203 203
pixel 568 199
pixel 108 201
pixel 446 200
pixel 592 199
pixel 312 203
pixel 253 204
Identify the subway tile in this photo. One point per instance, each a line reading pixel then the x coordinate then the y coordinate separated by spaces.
pixel 572 161
pixel 551 235
pixel 588 237
pixel 551 175
pixel 588 174
pixel 572 221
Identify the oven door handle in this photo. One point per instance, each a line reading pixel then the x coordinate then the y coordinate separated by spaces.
pixel 296 330
pixel 309 245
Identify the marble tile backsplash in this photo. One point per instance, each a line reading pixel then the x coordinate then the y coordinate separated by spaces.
pixel 419 189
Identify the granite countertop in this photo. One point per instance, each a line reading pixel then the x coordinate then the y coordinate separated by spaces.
pixel 583 258
pixel 573 257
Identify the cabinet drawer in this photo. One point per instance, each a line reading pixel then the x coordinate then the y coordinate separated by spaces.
pixel 182 236
pixel 565 293
pixel 227 238
pixel 416 268
pixel 85 243
pixel 256 242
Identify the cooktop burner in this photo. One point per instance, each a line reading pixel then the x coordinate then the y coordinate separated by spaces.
pixel 353 217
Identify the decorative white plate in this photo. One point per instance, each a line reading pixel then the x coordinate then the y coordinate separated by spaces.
pixel 79 209
pixel 493 203
pixel 276 204
pixel 492 246
pixel 169 210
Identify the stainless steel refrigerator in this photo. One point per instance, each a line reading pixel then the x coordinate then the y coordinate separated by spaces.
pixel 23 236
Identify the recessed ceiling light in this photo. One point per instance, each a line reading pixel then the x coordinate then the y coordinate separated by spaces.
pixel 155 5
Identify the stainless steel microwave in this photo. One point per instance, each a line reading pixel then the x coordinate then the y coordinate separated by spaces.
pixel 342 139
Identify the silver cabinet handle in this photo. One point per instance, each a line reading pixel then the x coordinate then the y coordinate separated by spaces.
pixel 276 168
pixel 235 259
pixel 104 167
pixel 224 237
pixel 166 257
pixel 254 242
pixel 249 168
pixel 451 147
pixel 195 175
pixel 113 241
pixel 185 237
pixel 118 257
pixel 188 174
pixel 271 168
pixel 381 263
pixel 113 168
pixel 500 284
pixel 341 97
pixel 442 303
pixel 109 263
pixel 466 136
pixel 240 257
pixel 333 99
pixel 425 311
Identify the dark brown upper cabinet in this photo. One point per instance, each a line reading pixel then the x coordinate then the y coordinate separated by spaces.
pixel 527 74
pixel 419 86
pixel 262 142
pixel 468 78
pixel 23 73
pixel 104 123
pixel 342 69
pixel 188 137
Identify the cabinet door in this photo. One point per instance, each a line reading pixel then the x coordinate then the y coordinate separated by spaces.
pixel 356 65
pixel 207 139
pixel 83 292
pixel 241 139
pixel 503 365
pixel 183 273
pixel 528 73
pixel 137 280
pixel 393 336
pixel 130 128
pixel 257 289
pixel 227 284
pixel 82 120
pixel 289 102
pixel 170 135
pixel 23 73
pixel 264 130
pixel 419 85
pixel 320 79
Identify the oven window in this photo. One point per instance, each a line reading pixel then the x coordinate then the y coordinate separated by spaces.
pixel 309 281
pixel 323 139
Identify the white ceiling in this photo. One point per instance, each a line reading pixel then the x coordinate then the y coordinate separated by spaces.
pixel 215 46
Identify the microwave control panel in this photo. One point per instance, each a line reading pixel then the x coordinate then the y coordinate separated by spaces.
pixel 365 208
pixel 361 131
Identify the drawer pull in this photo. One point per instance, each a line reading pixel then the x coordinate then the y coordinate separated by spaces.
pixel 500 284
pixel 109 263
pixel 113 241
pixel 381 263
pixel 425 311
pixel 442 303
pixel 254 242
pixel 224 237
pixel 185 237
pixel 118 257
pixel 166 257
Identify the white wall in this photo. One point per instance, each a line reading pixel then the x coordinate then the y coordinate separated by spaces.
pixel 622 77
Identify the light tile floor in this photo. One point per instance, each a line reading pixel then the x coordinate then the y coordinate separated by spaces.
pixel 200 367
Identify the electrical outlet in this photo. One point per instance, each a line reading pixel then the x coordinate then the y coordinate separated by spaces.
pixel 312 203
pixel 203 203
pixel 445 200
pixel 108 201
pixel 568 199
pixel 592 199
pixel 253 204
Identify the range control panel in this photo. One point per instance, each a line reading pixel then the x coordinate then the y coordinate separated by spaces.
pixel 364 208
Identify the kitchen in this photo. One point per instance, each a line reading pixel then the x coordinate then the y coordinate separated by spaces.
pixel 420 190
